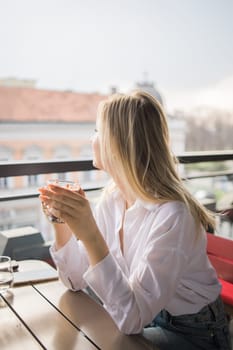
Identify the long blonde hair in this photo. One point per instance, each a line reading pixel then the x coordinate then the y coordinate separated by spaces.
pixel 135 142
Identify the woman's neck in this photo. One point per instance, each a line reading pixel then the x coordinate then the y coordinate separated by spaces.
pixel 128 197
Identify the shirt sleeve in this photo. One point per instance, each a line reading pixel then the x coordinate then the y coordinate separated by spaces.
pixel 135 300
pixel 71 261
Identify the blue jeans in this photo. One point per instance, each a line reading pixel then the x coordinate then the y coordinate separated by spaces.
pixel 208 330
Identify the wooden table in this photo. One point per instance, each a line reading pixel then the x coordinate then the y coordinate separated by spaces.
pixel 42 314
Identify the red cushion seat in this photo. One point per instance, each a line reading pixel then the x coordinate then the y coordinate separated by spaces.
pixel 220 253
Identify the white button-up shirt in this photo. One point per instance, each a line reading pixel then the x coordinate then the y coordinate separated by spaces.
pixel 164 264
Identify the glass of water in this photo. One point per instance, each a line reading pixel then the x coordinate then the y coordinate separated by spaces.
pixel 71 185
pixel 6 273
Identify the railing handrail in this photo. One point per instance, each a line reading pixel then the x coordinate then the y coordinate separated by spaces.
pixel 205 156
pixel 21 168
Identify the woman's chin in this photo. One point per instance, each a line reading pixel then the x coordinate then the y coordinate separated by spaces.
pixel 96 165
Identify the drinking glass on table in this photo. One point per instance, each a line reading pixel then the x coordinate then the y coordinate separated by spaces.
pixel 71 185
pixel 6 273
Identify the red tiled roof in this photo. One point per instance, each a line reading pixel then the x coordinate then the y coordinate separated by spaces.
pixel 28 104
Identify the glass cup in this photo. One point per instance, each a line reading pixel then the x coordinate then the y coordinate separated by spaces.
pixel 71 185
pixel 6 273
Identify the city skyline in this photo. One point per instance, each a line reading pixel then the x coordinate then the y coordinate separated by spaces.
pixel 89 46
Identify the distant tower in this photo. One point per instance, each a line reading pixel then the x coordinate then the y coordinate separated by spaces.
pixel 149 87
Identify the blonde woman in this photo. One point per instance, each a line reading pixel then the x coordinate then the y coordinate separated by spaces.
pixel 143 249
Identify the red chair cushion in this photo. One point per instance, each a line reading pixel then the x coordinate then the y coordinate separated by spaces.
pixel 223 266
pixel 220 246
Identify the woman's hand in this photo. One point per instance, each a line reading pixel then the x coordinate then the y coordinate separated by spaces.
pixel 75 210
pixel 72 207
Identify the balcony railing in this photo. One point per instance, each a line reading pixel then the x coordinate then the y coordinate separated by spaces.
pixel 27 168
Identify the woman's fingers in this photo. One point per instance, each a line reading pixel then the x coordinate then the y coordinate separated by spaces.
pixel 56 204
pixel 72 207
pixel 62 194
pixel 66 202
pixel 66 191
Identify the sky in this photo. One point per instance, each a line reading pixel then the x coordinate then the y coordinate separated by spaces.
pixel 185 47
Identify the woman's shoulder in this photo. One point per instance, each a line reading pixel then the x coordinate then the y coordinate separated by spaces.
pixel 174 206
pixel 171 211
pixel 168 206
pixel 175 217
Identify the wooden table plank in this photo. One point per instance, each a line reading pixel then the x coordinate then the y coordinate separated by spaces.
pixel 91 318
pixel 52 329
pixel 13 334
